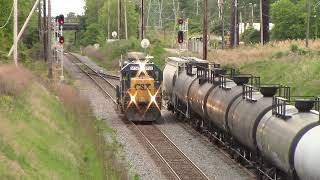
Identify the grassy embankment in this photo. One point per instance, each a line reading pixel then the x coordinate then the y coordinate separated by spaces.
pixel 49 132
pixel 282 62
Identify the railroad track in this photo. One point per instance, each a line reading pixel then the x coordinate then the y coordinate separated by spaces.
pixel 106 83
pixel 178 166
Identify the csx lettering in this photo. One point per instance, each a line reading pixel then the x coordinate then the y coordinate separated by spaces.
pixel 142 86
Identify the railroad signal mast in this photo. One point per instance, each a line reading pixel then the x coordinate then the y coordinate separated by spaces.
pixel 183 34
pixel 58 46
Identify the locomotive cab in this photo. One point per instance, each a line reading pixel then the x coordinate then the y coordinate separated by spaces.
pixel 139 94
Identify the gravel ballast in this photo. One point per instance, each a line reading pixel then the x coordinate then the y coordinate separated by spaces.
pixel 136 155
pixel 208 158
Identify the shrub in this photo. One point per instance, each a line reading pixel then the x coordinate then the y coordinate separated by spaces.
pixel 250 36
pixel 296 49
pixel 13 80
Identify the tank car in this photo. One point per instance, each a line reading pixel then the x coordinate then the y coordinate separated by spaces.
pixel 280 140
pixel 139 94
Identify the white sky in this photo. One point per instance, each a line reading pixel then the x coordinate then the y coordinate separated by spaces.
pixel 66 6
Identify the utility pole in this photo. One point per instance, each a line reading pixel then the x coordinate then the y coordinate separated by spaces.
pixel 222 21
pixel 175 22
pixel 49 41
pixel 234 25
pixel 45 32
pixel 261 23
pixel 125 19
pixel 316 33
pixel 39 22
pixel 197 7
pixel 160 2
pixel 108 19
pixel 264 15
pixel 142 19
pixel 252 14
pixel 235 38
pixel 15 31
pixel 24 25
pixel 148 15
pixel 119 18
pixel 308 23
pixel 205 30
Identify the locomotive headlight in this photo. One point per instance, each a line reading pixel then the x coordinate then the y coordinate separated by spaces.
pixel 153 99
pixel 142 68
pixel 132 99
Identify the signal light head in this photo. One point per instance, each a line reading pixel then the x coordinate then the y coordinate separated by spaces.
pixel 180 37
pixel 61 39
pixel 180 21
pixel 61 19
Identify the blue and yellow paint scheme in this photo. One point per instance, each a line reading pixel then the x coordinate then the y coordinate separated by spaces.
pixel 139 94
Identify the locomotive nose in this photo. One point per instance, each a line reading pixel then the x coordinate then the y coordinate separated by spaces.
pixel 307 158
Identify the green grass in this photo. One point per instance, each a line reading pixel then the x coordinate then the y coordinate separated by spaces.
pixel 109 54
pixel 159 55
pixel 39 140
pixel 298 69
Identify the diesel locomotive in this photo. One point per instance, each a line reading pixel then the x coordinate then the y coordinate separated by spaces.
pixel 139 94
pixel 262 125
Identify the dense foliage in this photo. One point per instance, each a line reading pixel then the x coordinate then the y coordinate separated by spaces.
pixel 250 36
pixel 99 10
pixel 30 36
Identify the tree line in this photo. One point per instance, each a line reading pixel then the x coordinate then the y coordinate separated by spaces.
pixel 30 36
pixel 289 17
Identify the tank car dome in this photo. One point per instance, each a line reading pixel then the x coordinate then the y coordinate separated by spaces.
pixel 307 159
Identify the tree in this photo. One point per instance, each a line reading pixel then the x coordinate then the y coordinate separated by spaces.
pixel 24 7
pixel 289 20
pixel 250 36
pixel 92 35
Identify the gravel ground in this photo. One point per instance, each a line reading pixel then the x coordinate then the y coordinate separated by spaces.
pixel 207 157
pixel 210 160
pixel 93 65
pixel 138 158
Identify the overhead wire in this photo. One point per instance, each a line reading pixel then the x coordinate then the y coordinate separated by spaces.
pixel 5 24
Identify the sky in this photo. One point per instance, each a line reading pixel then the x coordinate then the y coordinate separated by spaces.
pixel 66 6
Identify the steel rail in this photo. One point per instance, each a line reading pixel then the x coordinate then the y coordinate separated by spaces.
pixel 93 79
pixel 205 138
pixel 156 151
pixel 164 160
pixel 150 144
pixel 101 75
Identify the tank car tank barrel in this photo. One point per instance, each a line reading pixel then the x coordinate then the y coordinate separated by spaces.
pixel 290 144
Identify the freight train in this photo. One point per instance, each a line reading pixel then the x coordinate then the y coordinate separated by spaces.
pixel 139 94
pixel 262 125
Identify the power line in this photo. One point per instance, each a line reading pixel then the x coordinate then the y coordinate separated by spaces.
pixel 5 24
